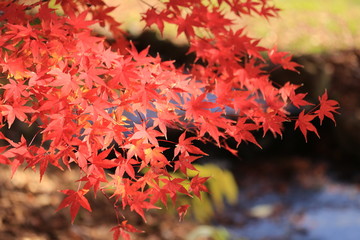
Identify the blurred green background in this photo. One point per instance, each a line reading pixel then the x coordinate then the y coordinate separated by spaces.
pixel 309 26
pixel 303 27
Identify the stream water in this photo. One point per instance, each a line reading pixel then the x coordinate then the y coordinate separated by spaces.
pixel 330 211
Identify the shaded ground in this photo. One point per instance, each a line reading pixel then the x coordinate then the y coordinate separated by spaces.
pixel 28 209
pixel 27 212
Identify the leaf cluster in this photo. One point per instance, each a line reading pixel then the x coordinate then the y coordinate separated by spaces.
pixel 100 107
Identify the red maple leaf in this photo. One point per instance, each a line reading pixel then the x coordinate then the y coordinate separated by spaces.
pixel 153 17
pixel 79 21
pixel 288 90
pixel 159 194
pixel 155 157
pixel 16 110
pixel 182 210
pixel 185 146
pixel 92 181
pixel 242 131
pixel 125 165
pixel 270 11
pixel 197 107
pixel 197 185
pixel 185 162
pixel 147 134
pixel 138 202
pixel 298 100
pixel 272 122
pixel 327 108
pixel 75 199
pixel 16 155
pixel 63 80
pixel 304 123
pixel 283 59
pixel 99 163
pixel 102 14
pixel 175 186
pixel 123 229
pixel 15 90
pixel 186 25
pixel 14 66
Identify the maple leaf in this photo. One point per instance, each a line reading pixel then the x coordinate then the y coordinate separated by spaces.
pixel 14 66
pixel 75 199
pixel 197 185
pixel 14 13
pixel 186 146
pixel 288 90
pixel 152 17
pixel 79 21
pixel 150 178
pixel 102 13
pixel 139 202
pixel 182 210
pixel 99 163
pixel 3 159
pixel 298 100
pixel 155 157
pixel 123 230
pixel 272 122
pixel 196 107
pixel 327 108
pixel 16 155
pixel 186 26
pixel 147 134
pixel 304 123
pixel 240 7
pixel 107 56
pixel 136 148
pixel 176 4
pixel 159 194
pixel 283 58
pixel 92 181
pixel 15 90
pixel 216 21
pixel 22 31
pixel 174 186
pixel 86 41
pixel 162 123
pixel 185 162
pixel 55 129
pixel 43 158
pixel 125 165
pixel 16 110
pixel 63 80
pixel 211 126
pixel 91 75
pixel 242 132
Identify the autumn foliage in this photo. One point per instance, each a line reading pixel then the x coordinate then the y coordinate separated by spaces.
pixel 99 106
